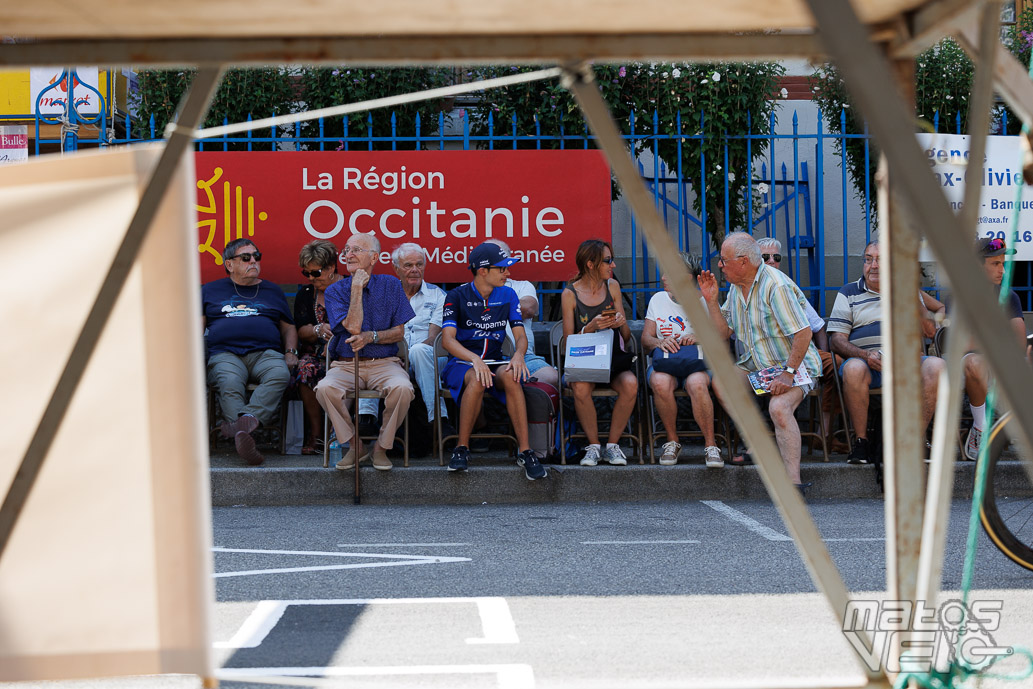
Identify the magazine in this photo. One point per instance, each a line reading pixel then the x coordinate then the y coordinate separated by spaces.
pixel 760 380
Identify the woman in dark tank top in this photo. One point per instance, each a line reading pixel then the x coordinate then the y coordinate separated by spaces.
pixel 592 303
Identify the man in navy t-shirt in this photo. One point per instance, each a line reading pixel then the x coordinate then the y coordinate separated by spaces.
pixel 473 328
pixel 249 326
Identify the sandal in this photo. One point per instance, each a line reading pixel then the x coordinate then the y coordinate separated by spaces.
pixel 308 450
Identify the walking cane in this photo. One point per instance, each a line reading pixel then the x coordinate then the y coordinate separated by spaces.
pixel 355 435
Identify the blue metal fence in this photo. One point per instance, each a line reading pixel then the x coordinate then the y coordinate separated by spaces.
pixel 783 199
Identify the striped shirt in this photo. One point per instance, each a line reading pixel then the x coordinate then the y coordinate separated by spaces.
pixel 766 319
pixel 857 314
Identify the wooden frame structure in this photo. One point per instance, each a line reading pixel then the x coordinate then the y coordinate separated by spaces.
pixel 872 41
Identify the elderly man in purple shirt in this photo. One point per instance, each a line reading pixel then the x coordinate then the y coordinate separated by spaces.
pixel 368 313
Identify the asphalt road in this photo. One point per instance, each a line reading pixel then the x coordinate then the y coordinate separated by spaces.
pixel 629 595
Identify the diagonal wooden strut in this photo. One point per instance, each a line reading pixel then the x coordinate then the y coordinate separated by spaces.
pixel 195 104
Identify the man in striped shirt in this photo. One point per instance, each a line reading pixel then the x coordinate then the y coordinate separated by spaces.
pixel 855 333
pixel 765 310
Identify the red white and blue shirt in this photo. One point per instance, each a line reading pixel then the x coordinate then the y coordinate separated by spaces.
pixel 481 323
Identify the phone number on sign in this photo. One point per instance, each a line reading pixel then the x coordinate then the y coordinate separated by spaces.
pixel 1023 236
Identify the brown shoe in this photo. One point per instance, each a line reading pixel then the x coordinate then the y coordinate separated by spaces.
pixel 247 450
pixel 348 461
pixel 379 458
pixel 245 423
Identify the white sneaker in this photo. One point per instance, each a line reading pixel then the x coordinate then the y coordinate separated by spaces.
pixel 972 443
pixel 670 453
pixel 713 456
pixel 614 455
pixel 591 457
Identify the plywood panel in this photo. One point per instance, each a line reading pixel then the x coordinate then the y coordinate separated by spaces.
pixel 108 569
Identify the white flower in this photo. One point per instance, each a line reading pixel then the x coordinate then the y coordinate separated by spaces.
pixel 664 74
pixel 846 105
pixel 675 72
pixel 784 93
pixel 716 76
pixel 705 81
pixel 731 176
pixel 718 167
pixel 762 188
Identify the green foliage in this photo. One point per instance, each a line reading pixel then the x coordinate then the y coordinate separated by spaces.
pixel 259 92
pixel 329 86
pixel 1019 42
pixel 943 83
pixel 677 95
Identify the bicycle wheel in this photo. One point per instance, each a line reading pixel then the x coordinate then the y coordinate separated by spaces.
pixel 1008 521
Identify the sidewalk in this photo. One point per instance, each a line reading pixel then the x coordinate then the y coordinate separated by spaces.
pixel 494 478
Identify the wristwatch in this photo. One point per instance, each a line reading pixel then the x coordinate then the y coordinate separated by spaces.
pixel 292 351
pixel 790 370
pixel 376 337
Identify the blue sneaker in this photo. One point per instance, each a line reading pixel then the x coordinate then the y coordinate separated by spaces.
pixel 460 458
pixel 533 469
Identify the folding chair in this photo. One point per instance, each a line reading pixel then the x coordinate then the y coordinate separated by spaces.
pixel 655 429
pixel 443 393
pixel 215 425
pixel 557 340
pixel 403 354
pixel 813 401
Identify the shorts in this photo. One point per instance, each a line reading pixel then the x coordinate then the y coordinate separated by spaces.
pixel 453 376
pixel 876 381
pixel 681 380
pixel 534 363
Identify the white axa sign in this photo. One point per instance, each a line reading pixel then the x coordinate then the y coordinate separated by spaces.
pixel 1002 180
pixel 936 637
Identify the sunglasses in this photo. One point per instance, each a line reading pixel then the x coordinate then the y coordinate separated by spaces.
pixel 246 257
pixel 312 273
pixel 609 260
pixel 777 257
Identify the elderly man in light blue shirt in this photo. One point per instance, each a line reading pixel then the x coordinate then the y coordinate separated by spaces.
pixel 427 301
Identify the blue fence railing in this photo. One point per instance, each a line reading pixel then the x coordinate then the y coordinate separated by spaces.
pixel 785 199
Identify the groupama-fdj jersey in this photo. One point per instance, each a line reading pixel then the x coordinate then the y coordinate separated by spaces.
pixel 481 323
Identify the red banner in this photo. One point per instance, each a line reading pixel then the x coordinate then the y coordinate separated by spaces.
pixel 543 204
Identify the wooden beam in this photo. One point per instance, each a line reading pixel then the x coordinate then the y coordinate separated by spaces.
pixel 1010 77
pixel 406 50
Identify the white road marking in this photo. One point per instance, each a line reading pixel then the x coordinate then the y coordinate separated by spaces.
pixel 395 545
pixel 496 619
pixel 509 676
pixel 750 523
pixel 635 542
pixel 257 626
pixel 394 561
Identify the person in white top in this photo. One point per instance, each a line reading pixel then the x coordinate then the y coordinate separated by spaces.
pixel 538 367
pixel 427 301
pixel 667 329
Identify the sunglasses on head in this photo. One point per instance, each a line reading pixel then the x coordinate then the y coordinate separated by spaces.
pixel 777 257
pixel 246 256
pixel 312 273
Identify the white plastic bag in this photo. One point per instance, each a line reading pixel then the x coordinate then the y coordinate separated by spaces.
pixel 294 429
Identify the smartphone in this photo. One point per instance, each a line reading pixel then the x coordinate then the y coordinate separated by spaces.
pixel 610 312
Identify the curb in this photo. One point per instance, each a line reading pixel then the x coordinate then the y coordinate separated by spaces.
pixel 499 483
